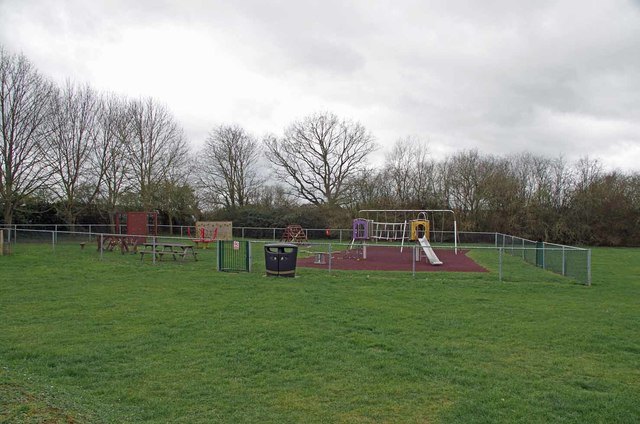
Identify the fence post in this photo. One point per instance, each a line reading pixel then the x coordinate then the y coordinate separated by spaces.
pixel 248 247
pixel 500 264
pixel 413 262
pixel 539 254
pixel 53 240
pixel 218 253
pixel 455 236
pixel 564 260
pixel 329 258
pixel 589 267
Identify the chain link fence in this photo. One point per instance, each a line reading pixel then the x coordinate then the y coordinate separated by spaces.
pixel 568 261
pixel 335 244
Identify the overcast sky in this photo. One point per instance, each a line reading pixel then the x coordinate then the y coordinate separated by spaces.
pixel 547 77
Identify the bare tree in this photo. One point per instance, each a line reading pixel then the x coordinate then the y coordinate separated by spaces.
pixel 370 189
pixel 157 147
pixel 587 172
pixel 73 142
pixel 399 170
pixel 176 198
pixel 464 178
pixel 318 155
pixel 499 190
pixel 275 196
pixel 24 108
pixel 560 182
pixel 442 185
pixel 109 161
pixel 229 162
pixel 410 172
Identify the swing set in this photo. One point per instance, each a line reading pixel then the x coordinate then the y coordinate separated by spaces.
pixel 402 224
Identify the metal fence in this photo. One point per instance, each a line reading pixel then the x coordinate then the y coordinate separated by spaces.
pixel 250 233
pixel 568 261
pixel 234 255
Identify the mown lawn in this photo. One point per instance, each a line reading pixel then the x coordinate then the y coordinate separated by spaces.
pixel 116 340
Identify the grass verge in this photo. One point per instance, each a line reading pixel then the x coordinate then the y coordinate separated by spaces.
pixel 120 340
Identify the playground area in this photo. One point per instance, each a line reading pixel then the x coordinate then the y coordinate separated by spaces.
pixel 412 241
pixel 375 231
pixel 391 258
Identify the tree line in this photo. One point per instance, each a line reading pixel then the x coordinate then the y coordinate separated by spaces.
pixel 527 195
pixel 72 154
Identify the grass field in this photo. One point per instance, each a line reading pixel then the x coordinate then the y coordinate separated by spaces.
pixel 84 340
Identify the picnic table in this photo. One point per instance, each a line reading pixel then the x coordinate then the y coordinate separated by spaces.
pixel 159 249
pixel 124 243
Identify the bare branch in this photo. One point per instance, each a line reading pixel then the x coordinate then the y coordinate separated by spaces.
pixel 24 109
pixel 229 175
pixel 318 155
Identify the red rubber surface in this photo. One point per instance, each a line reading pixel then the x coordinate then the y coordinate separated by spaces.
pixel 391 259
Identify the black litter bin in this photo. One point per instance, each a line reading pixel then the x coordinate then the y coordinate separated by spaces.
pixel 280 259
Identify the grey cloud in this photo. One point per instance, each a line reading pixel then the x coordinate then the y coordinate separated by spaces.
pixel 500 75
pixel 316 54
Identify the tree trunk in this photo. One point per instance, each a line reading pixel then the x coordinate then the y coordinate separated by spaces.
pixel 8 214
pixel 170 225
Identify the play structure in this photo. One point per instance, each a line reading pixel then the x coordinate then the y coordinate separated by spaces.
pixel 130 229
pixel 294 234
pixel 404 226
pixel 209 231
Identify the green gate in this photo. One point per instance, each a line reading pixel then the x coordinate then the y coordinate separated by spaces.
pixel 234 255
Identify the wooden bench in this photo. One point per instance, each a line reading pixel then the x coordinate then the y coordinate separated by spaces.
pixel 186 253
pixel 158 253
pixel 174 253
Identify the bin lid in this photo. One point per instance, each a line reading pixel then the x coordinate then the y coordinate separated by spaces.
pixel 281 245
